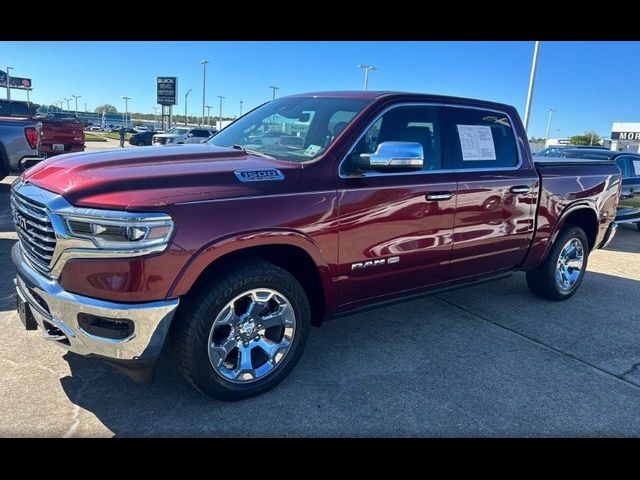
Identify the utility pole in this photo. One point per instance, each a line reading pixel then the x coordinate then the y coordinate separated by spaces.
pixel 76 97
pixel 274 88
pixel 126 110
pixel 8 87
pixel 221 98
pixel 532 81
pixel 208 116
pixel 546 136
pixel 240 108
pixel 185 107
pixel 204 79
pixel 367 69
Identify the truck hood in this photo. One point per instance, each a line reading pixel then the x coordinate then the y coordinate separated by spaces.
pixel 153 177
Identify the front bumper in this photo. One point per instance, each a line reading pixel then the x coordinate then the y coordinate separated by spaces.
pixel 56 312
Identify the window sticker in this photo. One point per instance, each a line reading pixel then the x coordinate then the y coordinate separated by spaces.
pixel 636 167
pixel 476 142
pixel 312 150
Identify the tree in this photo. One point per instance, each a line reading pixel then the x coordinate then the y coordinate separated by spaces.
pixel 107 108
pixel 588 138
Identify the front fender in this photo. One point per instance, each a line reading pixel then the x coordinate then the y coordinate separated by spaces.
pixel 224 246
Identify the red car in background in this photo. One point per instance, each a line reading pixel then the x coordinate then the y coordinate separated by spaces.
pixel 61 133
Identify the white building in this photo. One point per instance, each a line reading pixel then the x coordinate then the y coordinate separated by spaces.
pixel 625 136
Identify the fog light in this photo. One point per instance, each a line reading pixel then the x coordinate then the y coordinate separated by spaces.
pixel 112 328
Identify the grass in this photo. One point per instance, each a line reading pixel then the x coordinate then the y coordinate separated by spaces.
pixel 90 137
pixel 116 136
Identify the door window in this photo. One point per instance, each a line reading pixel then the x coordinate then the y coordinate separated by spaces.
pixel 482 139
pixel 418 124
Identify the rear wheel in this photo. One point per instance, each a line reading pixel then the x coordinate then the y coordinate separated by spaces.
pixel 244 332
pixel 561 274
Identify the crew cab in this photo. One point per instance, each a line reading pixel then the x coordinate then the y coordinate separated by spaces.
pixel 230 250
pixel 181 135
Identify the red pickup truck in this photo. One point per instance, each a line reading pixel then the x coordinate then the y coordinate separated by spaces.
pixel 61 134
pixel 231 249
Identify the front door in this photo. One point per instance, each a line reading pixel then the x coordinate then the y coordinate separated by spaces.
pixel 395 228
pixel 496 195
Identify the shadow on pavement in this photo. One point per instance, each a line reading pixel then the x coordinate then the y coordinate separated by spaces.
pixel 420 368
pixel 627 239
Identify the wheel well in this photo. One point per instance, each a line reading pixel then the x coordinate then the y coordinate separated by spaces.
pixel 587 220
pixel 290 258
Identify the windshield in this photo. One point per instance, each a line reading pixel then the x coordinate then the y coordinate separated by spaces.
pixel 292 128
pixel 177 131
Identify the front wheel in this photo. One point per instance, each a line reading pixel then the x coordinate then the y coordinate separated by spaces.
pixel 243 332
pixel 561 274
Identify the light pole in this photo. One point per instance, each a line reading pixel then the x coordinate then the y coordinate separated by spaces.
pixel 204 78
pixel 126 110
pixel 68 107
pixel 60 102
pixel 221 98
pixel 155 115
pixel 532 81
pixel 240 108
pixel 185 107
pixel 274 88
pixel 367 69
pixel 8 88
pixel 29 90
pixel 208 116
pixel 546 136
pixel 76 97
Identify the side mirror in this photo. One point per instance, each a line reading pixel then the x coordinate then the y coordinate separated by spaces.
pixel 392 156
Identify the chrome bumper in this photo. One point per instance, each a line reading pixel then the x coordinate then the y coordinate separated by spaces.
pixel 58 317
pixel 608 236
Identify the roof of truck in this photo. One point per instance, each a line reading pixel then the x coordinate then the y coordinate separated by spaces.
pixel 378 94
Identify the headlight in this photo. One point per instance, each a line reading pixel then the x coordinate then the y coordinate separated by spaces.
pixel 112 230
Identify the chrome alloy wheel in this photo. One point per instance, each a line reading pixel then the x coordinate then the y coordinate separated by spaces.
pixel 251 335
pixel 570 264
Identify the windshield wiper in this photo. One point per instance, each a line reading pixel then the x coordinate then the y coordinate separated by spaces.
pixel 252 152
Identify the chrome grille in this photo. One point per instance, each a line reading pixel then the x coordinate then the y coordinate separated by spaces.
pixel 35 231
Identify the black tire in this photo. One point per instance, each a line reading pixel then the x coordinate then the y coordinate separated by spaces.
pixel 542 281
pixel 190 333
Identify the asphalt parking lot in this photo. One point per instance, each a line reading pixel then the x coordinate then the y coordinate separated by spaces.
pixel 492 360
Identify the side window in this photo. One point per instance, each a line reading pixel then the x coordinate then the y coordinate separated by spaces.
pixel 200 133
pixel 406 124
pixel 482 139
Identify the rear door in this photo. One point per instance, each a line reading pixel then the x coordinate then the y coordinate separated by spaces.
pixel 395 228
pixel 495 207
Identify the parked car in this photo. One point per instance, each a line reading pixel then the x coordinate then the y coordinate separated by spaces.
pixel 95 128
pixel 230 253
pixel 61 134
pixel 558 149
pixel 180 135
pixel 19 138
pixel 629 163
pixel 142 139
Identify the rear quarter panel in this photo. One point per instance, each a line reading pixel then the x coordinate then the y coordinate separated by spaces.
pixel 565 189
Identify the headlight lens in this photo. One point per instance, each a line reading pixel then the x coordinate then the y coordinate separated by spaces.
pixel 120 230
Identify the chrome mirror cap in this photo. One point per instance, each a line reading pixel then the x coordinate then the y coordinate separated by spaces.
pixel 393 156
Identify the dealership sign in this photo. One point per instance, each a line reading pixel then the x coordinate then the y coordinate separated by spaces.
pixel 14 82
pixel 167 90
pixel 625 135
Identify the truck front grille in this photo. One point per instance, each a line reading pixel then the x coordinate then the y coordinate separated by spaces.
pixel 35 231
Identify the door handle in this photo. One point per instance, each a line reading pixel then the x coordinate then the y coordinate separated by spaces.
pixel 519 189
pixel 435 196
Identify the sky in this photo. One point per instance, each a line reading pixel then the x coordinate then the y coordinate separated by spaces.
pixel 589 84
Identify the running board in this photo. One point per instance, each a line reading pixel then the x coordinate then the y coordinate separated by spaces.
pixel 414 296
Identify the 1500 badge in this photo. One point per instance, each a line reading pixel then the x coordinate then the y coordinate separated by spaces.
pixel 266 175
pixel 374 263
